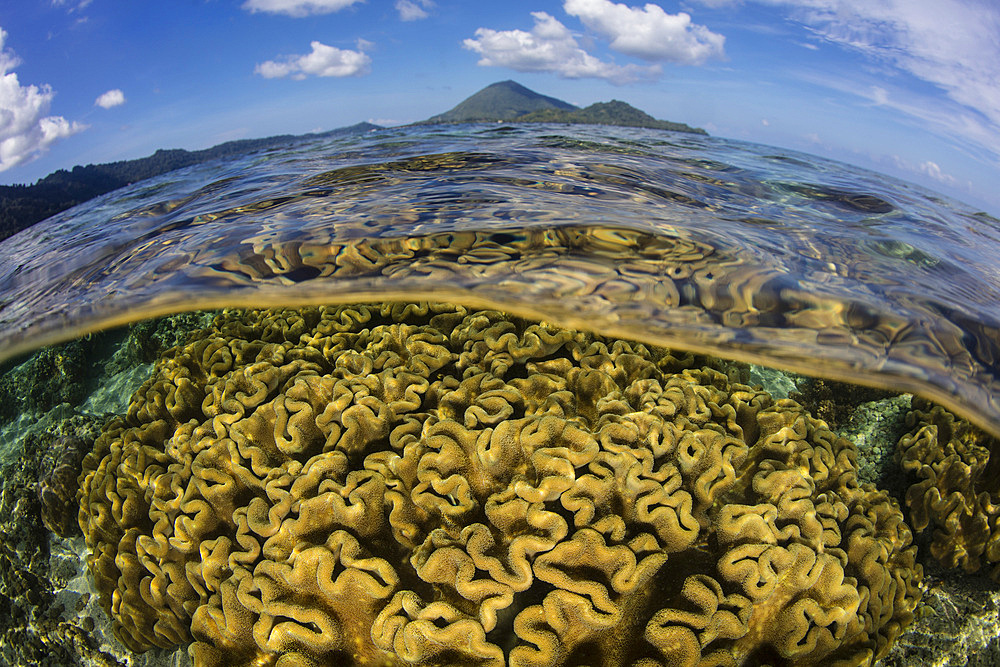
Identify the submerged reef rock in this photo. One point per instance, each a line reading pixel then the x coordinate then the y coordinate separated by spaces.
pixel 422 484
pixel 35 628
pixel 45 379
pixel 957 487
pixel 58 485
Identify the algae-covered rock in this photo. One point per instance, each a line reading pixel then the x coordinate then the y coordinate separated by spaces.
pixel 426 484
pixel 33 630
pixel 58 483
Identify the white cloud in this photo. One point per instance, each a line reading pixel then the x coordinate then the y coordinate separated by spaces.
pixel 412 11
pixel 549 47
pixel 649 32
pixel 25 129
pixel 927 168
pixel 880 95
pixel 968 130
pixel 297 8
pixel 112 98
pixel 77 7
pixel 934 171
pixel 322 61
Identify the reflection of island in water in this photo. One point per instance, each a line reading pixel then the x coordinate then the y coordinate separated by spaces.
pixel 491 486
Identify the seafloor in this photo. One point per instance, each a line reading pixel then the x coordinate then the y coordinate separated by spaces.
pixel 53 404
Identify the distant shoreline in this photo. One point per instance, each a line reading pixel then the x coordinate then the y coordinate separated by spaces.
pixel 22 206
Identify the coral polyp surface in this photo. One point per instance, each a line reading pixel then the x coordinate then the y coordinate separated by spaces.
pixel 423 484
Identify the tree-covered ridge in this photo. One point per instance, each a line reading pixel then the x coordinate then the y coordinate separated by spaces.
pixel 23 205
pixel 614 112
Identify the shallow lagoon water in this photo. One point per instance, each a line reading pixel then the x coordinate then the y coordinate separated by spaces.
pixel 695 243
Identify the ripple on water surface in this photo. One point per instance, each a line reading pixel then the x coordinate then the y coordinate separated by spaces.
pixel 692 242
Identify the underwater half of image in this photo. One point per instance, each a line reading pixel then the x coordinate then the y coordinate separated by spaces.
pixel 429 483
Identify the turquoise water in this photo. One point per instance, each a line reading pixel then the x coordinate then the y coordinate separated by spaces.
pixel 743 252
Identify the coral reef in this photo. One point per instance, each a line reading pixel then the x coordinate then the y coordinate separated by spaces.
pixel 834 402
pixel 51 376
pixel 58 484
pixel 957 622
pixel 426 484
pixel 33 629
pixel 69 372
pixel 875 428
pixel 955 488
pixel 143 342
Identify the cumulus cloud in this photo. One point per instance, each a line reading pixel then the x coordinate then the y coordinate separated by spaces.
pixel 297 8
pixel 26 131
pixel 112 98
pixel 649 32
pixel 548 47
pixel 927 168
pixel 935 172
pixel 410 10
pixel 322 61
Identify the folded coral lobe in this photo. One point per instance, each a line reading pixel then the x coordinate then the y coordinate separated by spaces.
pixel 425 484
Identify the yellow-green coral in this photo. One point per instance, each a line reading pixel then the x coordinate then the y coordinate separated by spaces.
pixel 429 485
pixel 955 489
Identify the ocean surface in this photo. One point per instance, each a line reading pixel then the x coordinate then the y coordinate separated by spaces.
pixel 707 245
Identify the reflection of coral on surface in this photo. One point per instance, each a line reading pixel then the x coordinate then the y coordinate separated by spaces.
pixel 414 484
pixel 957 491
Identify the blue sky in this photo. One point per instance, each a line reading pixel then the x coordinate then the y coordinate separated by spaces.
pixel 906 87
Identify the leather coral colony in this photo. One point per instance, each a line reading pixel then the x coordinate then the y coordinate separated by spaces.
pixel 422 484
pixel 955 487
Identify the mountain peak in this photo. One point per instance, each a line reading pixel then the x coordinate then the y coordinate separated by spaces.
pixel 503 100
pixel 510 101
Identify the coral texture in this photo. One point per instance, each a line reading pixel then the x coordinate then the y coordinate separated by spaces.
pixel 422 484
pixel 58 484
pixel 955 492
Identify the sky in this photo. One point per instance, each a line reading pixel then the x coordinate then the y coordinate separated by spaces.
pixel 909 88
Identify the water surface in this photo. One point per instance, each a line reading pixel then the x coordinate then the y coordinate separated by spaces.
pixel 698 243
